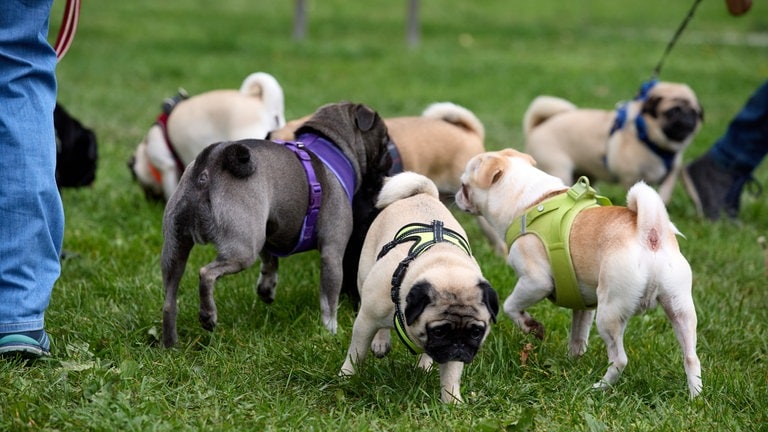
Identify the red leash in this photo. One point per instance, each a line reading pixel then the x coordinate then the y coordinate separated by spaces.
pixel 68 28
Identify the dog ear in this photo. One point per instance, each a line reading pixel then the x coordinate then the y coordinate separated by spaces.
pixel 650 106
pixel 365 117
pixel 490 299
pixel 489 171
pixel 417 300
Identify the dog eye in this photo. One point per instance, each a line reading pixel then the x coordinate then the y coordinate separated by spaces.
pixel 440 332
pixel 476 332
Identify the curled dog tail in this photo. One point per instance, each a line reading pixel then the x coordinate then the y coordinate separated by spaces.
pixel 236 158
pixel 653 224
pixel 264 86
pixel 542 108
pixel 405 185
pixel 456 115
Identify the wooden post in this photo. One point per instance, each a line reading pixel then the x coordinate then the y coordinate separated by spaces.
pixel 300 20
pixel 412 30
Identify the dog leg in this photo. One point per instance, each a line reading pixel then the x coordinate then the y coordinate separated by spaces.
pixel 331 275
pixel 174 260
pixel 521 298
pixel 267 282
pixel 581 323
pixel 208 276
pixel 363 331
pixel 611 326
pixel 425 362
pixel 682 316
pixel 381 343
pixel 450 382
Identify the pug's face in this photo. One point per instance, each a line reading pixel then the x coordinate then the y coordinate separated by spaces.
pixel 451 321
pixel 675 110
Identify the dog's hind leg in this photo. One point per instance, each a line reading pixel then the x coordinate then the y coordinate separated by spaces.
pixel 611 324
pixel 208 276
pixel 581 323
pixel 174 260
pixel 267 282
pixel 682 315
pixel 331 274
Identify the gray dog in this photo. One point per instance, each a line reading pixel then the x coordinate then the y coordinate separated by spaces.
pixel 258 198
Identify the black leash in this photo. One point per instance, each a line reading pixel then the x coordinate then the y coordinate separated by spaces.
pixel 657 69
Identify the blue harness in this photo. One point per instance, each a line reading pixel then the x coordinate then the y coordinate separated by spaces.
pixel 642 130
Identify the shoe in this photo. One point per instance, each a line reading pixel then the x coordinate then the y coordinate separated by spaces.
pixel 713 189
pixel 27 345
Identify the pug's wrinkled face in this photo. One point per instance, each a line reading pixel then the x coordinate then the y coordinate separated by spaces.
pixel 451 322
pixel 678 115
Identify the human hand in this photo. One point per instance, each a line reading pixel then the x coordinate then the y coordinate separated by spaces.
pixel 738 7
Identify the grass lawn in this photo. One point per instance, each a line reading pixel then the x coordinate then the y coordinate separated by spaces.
pixel 274 367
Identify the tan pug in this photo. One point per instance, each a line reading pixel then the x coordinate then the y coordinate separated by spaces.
pixel 625 260
pixel 642 140
pixel 193 123
pixel 437 144
pixel 417 273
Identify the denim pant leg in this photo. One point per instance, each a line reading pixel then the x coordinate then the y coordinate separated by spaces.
pixel 31 214
pixel 744 145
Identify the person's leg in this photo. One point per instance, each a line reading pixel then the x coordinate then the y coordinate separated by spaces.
pixel 715 180
pixel 31 214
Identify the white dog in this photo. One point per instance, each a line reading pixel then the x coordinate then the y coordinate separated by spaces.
pixel 179 135
pixel 623 259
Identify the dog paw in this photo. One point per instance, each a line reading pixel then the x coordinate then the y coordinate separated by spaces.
pixel 601 385
pixel 381 345
pixel 534 327
pixel 330 324
pixel 266 297
pixel 208 320
pixel 425 362
pixel 576 350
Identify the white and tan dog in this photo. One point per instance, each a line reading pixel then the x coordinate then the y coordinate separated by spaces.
pixel 417 274
pixel 625 259
pixel 218 115
pixel 643 139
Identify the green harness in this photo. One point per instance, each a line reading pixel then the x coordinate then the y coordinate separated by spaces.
pixel 424 237
pixel 551 221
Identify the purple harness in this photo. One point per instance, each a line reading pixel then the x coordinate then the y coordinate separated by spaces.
pixel 338 163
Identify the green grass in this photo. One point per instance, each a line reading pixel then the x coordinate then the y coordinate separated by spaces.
pixel 273 367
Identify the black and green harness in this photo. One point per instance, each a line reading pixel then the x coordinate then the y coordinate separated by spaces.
pixel 551 221
pixel 423 236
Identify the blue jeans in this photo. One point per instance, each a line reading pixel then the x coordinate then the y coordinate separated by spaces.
pixel 744 145
pixel 31 214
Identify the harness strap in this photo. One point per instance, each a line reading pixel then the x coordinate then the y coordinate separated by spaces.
pixel 162 121
pixel 333 158
pixel 666 156
pixel 551 221
pixel 424 237
pixel 307 239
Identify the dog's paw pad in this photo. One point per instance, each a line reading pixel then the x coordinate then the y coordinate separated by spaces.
pixel 381 350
